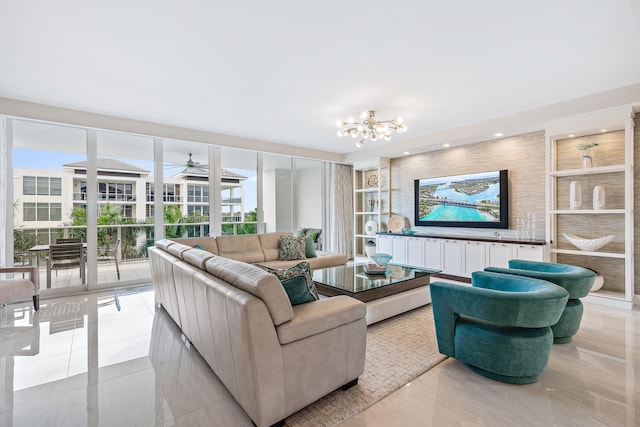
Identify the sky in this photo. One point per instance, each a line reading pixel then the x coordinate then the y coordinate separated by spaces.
pixel 53 160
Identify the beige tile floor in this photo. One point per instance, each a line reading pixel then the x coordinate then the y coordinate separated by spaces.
pixel 82 362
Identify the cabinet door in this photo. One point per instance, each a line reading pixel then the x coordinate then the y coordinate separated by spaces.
pixel 474 257
pixel 384 245
pixel 399 249
pixel 499 254
pixel 452 257
pixel 529 252
pixel 433 253
pixel 415 251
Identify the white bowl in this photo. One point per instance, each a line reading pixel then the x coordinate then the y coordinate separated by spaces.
pixel 585 244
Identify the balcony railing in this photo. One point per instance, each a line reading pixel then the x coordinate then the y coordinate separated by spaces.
pixel 102 197
pixel 169 199
pixel 232 200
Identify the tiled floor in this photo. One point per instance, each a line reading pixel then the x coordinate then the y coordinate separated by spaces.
pixel 81 361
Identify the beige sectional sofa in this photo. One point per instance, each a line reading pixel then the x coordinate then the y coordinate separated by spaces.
pixel 259 249
pixel 273 357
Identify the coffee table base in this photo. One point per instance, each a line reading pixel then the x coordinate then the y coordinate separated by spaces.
pixel 393 305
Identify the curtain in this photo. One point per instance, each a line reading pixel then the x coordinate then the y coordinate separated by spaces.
pixel 5 182
pixel 341 203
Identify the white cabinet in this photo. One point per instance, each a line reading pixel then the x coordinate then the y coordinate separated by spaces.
pixel 474 257
pixel 452 257
pixel 585 152
pixel 499 254
pixel 415 251
pixel 528 252
pixel 432 253
pixel 399 249
pixel 384 244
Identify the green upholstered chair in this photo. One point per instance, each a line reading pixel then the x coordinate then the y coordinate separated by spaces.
pixel 576 280
pixel 500 326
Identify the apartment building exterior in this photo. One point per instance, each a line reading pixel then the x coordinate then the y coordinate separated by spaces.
pixel 46 198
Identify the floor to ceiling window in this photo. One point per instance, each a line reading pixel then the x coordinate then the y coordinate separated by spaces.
pixel 104 189
pixel 45 198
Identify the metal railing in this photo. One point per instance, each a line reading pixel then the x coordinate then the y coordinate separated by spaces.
pixel 106 197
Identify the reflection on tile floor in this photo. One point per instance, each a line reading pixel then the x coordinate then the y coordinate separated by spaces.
pixel 113 359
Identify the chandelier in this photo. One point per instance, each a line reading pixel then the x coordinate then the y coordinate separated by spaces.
pixel 370 128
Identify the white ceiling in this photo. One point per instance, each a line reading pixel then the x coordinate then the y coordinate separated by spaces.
pixel 285 71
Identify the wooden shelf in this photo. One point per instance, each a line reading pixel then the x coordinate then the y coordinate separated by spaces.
pixel 588 253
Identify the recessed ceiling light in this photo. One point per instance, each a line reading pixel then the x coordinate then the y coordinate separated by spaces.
pixel 498 135
pixel 603 130
pixel 446 145
pixel 571 135
pixel 406 153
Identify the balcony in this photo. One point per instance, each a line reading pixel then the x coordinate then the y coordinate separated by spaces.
pixel 167 199
pixel 232 200
pixel 104 197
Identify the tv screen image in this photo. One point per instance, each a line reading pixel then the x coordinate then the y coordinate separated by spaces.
pixel 471 200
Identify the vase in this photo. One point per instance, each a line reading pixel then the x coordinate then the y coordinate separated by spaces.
pixel 370 248
pixel 575 195
pixel 598 197
pixel 588 155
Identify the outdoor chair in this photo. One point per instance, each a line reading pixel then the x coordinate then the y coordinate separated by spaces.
pixel 69 240
pixel 20 288
pixel 65 256
pixel 500 326
pixel 110 253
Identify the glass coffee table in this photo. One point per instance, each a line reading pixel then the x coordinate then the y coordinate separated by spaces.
pixel 401 289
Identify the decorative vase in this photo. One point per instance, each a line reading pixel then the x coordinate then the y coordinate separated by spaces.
pixel 587 153
pixel 370 248
pixel 575 195
pixel 598 197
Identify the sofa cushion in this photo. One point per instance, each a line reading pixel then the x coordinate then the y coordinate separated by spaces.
pixel 297 282
pixel 164 244
pixel 309 249
pixel 292 247
pixel 206 243
pixel 320 316
pixel 177 249
pixel 257 282
pixel 242 247
pixel 270 244
pixel 197 257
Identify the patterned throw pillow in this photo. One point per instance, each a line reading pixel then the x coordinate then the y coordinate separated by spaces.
pixel 292 247
pixel 297 282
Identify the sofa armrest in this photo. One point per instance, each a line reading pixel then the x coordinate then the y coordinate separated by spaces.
pixel 319 316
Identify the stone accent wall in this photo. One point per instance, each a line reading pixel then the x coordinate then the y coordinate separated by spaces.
pixel 522 155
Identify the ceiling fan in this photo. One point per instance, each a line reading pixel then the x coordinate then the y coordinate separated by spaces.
pixel 190 163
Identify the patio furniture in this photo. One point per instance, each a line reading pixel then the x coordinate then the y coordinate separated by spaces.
pixel 500 326
pixel 65 256
pixel 110 253
pixel 19 288
pixel 69 240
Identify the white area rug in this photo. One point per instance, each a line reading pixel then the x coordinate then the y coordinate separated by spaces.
pixel 398 350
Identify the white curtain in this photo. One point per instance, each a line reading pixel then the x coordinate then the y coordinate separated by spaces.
pixel 341 203
pixel 5 182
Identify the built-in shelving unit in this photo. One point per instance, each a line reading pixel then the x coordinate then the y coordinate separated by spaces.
pixel 612 168
pixel 371 201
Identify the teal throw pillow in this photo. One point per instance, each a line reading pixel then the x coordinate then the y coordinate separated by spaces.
pixel 198 247
pixel 309 249
pixel 297 282
pixel 292 247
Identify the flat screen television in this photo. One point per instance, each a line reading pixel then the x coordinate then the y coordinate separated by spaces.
pixel 479 200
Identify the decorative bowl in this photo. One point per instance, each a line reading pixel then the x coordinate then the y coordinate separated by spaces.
pixel 381 259
pixel 585 244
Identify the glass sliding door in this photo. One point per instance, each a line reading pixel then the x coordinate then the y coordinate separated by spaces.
pixel 47 204
pixel 125 230
pixel 277 197
pixel 238 202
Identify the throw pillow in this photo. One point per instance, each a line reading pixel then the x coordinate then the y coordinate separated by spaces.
pixel 198 247
pixel 309 250
pixel 297 282
pixel 292 247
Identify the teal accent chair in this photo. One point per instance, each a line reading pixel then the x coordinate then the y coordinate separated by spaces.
pixel 576 280
pixel 500 326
